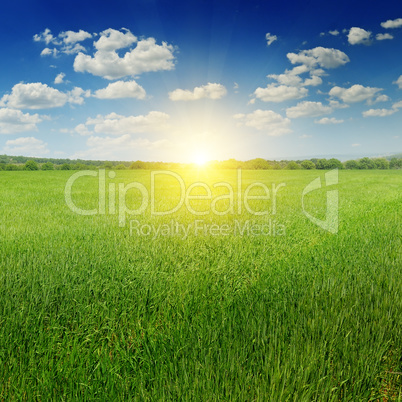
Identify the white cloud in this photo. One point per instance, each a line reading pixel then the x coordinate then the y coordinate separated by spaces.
pixel 111 39
pixel 385 36
pixel 34 96
pixel 59 78
pixel 77 95
pixel 381 98
pixel 14 121
pixel 280 93
pixel 49 52
pixel 106 62
pixel 383 112
pixel 359 36
pixel 356 145
pixel 82 129
pixel 335 32
pixel 326 120
pixel 270 38
pixel 307 109
pixel 40 96
pixel 379 112
pixel 337 105
pixel 392 23
pixel 266 120
pixel 304 136
pixel 27 146
pixel 121 89
pixel 398 82
pixel 45 36
pixel 292 77
pixel 118 125
pixel 319 56
pixel 209 91
pixel 109 147
pixel 68 40
pixel 71 37
pixel 356 93
pixel 73 49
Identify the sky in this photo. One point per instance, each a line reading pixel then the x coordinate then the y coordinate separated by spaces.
pixel 187 81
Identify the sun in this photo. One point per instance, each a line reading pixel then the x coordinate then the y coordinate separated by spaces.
pixel 200 158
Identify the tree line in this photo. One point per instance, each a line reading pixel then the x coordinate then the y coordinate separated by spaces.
pixel 12 163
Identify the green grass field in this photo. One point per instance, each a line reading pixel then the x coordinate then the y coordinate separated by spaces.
pixel 90 310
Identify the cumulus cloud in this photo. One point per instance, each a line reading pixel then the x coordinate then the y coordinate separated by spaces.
pixel 119 125
pixel 71 37
pixel 356 93
pixel 59 78
pixel 29 146
pixel 327 120
pixel 319 56
pixel 67 41
pixel 146 56
pixel 49 52
pixel 292 77
pixel 379 112
pixel 265 120
pixel 307 109
pixel 14 121
pixel 45 36
pixel 209 91
pixel 40 96
pixel 383 112
pixel 392 23
pixel 270 38
pixel 109 147
pixel 280 93
pixel 335 32
pixel 359 36
pixel 111 39
pixel 385 36
pixel 398 82
pixel 34 96
pixel 121 89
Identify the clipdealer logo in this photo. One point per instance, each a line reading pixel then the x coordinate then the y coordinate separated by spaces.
pixel 236 199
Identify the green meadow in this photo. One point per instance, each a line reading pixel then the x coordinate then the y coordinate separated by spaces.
pixel 240 307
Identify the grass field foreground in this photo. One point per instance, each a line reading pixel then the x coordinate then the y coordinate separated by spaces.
pixel 93 310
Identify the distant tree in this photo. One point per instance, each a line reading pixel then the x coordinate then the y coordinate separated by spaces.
pixel 31 165
pixel 292 165
pixel 257 163
pixel 334 163
pixel 138 165
pixel 395 163
pixel 308 165
pixel 322 164
pixel 107 165
pixel 11 166
pixel 120 167
pixel 381 163
pixel 65 166
pixel 48 166
pixel 351 164
pixel 366 163
pixel 79 166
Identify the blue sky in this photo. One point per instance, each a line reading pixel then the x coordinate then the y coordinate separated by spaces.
pixel 182 81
